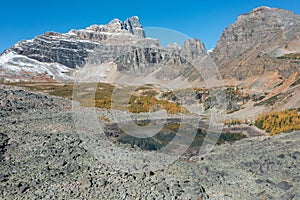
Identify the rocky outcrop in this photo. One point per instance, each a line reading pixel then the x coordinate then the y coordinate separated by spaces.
pixel 252 44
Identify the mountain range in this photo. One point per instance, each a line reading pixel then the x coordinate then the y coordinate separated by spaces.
pixel 57 56
pixel 256 44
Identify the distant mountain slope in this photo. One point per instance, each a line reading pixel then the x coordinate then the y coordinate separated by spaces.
pixel 255 42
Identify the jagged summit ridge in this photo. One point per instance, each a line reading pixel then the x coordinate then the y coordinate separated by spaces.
pixel 131 25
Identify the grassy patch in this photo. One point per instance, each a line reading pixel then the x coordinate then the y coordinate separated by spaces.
pixel 100 95
pixel 140 104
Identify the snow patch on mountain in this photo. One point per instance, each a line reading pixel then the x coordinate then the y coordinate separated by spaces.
pixel 6 56
pixel 18 63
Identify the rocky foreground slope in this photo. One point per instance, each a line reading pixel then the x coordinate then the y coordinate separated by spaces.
pixel 44 157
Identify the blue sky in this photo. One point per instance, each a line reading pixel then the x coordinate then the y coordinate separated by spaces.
pixel 201 19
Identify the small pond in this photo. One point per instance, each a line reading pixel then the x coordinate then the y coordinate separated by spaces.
pixel 171 128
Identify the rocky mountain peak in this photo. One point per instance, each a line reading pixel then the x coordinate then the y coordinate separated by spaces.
pixel 262 8
pixel 262 34
pixel 193 49
pixel 114 26
pixel 267 12
pixel 131 26
pixel 134 26
pixel 115 21
pixel 265 9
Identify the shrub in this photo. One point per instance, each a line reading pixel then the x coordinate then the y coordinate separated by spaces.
pixel 277 122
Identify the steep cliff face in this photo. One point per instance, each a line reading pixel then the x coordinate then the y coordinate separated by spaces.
pixel 145 56
pixel 253 43
pixel 55 47
pixel 165 63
